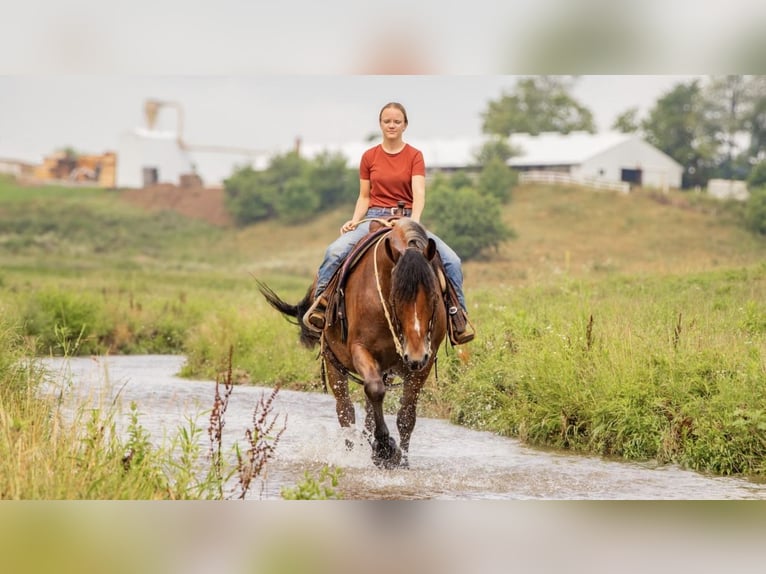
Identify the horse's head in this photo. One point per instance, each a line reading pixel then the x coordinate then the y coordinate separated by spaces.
pixel 417 310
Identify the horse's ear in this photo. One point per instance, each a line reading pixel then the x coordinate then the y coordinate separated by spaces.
pixel 391 251
pixel 430 251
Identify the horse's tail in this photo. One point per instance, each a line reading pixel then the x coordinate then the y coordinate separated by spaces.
pixel 293 313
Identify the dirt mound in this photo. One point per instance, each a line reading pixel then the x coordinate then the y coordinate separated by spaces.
pixel 204 203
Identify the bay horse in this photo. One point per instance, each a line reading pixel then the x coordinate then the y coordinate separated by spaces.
pixel 395 321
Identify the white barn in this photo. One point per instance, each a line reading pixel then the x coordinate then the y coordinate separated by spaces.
pixel 146 157
pixel 609 157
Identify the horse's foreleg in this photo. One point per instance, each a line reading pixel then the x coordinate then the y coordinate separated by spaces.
pixel 384 449
pixel 344 408
pixel 407 415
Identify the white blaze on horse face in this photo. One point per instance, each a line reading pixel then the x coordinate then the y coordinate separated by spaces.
pixel 416 325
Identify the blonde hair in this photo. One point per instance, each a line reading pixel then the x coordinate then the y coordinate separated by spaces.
pixel 395 105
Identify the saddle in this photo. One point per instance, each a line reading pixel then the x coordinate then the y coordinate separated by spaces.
pixel 335 291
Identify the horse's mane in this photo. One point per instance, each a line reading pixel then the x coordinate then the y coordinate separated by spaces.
pixel 414 233
pixel 413 269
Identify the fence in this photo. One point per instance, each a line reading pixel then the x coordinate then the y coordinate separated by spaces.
pixel 558 178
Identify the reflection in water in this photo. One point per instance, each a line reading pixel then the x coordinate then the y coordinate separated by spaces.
pixel 446 461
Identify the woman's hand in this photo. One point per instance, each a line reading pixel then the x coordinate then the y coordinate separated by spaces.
pixel 350 225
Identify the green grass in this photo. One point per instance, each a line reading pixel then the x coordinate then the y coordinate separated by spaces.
pixel 670 367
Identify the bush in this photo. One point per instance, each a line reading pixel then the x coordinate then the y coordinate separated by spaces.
pixel 64 322
pixel 466 220
pixel 291 188
pixel 755 211
pixel 757 177
pixel 497 180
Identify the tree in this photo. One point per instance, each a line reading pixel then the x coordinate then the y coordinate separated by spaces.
pixel 677 125
pixel 755 118
pixel 496 180
pixel 466 220
pixel 755 211
pixel 627 122
pixel 253 196
pixel 727 99
pixel 297 201
pixel 537 104
pixel 249 198
pixel 332 181
pixel 757 177
pixel 495 147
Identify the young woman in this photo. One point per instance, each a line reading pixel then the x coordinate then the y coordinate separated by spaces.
pixel 390 172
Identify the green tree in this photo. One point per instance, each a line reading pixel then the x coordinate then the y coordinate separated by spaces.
pixel 755 211
pixel 466 220
pixel 677 125
pixel 291 188
pixel 495 147
pixel 727 100
pixel 627 122
pixel 296 201
pixel 331 179
pixel 757 177
pixel 755 117
pixel 537 104
pixel 496 180
pixel 249 198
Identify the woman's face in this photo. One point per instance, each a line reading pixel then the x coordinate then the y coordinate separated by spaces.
pixel 392 123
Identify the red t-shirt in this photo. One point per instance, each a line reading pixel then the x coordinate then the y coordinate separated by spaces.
pixel 390 174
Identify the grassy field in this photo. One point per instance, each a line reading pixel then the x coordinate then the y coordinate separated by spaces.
pixel 624 325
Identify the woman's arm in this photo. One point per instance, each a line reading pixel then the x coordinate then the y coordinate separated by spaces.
pixel 360 210
pixel 418 196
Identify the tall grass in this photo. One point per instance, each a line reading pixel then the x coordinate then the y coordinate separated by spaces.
pixel 670 369
pixel 53 451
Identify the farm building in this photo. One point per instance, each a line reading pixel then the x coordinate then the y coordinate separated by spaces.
pixel 622 159
pixel 146 157
pixel 16 168
pixel 610 157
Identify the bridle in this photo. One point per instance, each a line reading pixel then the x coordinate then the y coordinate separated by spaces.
pixel 391 319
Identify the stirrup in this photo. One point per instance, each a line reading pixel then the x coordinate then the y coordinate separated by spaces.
pixel 314 318
pixel 458 332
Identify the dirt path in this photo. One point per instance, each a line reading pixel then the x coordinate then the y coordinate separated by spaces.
pixel 204 203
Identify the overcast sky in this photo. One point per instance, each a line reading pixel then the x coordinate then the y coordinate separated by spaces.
pixel 39 114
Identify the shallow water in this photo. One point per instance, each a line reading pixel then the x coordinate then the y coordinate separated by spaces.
pixel 446 461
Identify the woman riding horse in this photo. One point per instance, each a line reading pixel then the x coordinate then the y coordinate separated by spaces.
pixel 390 172
pixel 393 321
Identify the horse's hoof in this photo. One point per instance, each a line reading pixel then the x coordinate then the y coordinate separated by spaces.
pixel 386 455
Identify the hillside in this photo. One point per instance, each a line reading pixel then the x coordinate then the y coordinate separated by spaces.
pixel 560 230
pixel 572 231
pixel 583 232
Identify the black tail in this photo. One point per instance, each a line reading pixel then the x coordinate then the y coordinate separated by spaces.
pixel 293 313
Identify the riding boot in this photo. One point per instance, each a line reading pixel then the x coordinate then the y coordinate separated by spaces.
pixel 314 318
pixel 459 333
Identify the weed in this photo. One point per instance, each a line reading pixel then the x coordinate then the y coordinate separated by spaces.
pixel 322 487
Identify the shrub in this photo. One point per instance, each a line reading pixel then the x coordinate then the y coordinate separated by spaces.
pixel 64 322
pixel 757 177
pixel 755 211
pixel 466 220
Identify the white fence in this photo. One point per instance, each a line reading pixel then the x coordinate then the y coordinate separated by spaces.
pixel 556 178
pixel 727 188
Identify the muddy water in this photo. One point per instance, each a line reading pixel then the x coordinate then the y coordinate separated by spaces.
pixel 446 461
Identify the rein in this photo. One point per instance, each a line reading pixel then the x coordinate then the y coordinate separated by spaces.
pixel 397 342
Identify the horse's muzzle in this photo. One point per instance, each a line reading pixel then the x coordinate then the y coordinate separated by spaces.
pixel 416 364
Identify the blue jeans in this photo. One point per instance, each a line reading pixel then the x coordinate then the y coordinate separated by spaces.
pixel 342 246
